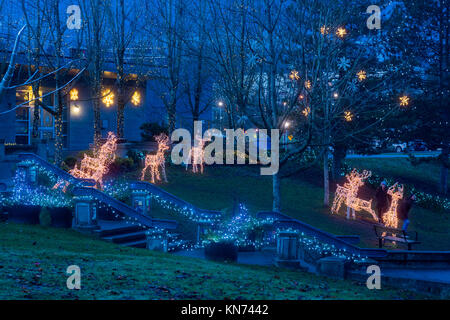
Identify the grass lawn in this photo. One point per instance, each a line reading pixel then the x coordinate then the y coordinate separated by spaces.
pixel 425 176
pixel 34 259
pixel 217 187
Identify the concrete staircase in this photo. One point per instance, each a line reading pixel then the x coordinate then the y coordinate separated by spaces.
pixel 126 235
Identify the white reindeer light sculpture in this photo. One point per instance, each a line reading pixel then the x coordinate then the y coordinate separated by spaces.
pixel 155 161
pixel 197 156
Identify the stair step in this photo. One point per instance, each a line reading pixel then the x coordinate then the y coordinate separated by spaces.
pixel 136 244
pixel 118 231
pixel 126 237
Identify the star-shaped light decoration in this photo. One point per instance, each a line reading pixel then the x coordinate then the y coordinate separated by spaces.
pixel 324 30
pixel 306 111
pixel 136 98
pixel 108 97
pixel 308 84
pixel 74 94
pixel 294 75
pixel 404 101
pixel 348 116
pixel 341 32
pixel 362 75
pixel 344 63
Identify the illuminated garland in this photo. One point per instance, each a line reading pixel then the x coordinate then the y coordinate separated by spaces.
pixel 24 194
pixel 238 230
pixel 321 249
pixel 122 190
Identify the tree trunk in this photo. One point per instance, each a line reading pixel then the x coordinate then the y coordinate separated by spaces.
pixel 326 179
pixel 36 113
pixel 120 112
pixel 444 171
pixel 338 155
pixel 276 192
pixel 58 128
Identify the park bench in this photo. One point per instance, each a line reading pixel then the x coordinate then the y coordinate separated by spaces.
pixel 395 235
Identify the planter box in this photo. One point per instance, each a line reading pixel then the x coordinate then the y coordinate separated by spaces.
pixel 61 217
pixel 221 251
pixel 23 214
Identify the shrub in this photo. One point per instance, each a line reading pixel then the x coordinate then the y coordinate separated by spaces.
pixel 45 218
pixel 135 155
pixel 70 161
pixel 151 129
pixel 122 165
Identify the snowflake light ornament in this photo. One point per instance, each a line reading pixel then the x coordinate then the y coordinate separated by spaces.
pixel 344 63
pixel 352 86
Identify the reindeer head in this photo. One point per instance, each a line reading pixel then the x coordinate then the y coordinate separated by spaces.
pixel 356 179
pixel 163 142
pixel 396 191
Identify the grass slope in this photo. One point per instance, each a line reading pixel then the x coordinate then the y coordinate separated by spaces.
pixel 34 259
pixel 217 187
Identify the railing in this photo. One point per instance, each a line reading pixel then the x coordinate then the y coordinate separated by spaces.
pixel 152 189
pixel 123 208
pixel 58 171
pixel 284 221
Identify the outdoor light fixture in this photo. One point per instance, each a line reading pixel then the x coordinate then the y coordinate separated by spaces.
pixel 108 97
pixel 287 124
pixel 73 94
pixel 136 98
pixel 76 109
pixel 220 104
pixel 335 95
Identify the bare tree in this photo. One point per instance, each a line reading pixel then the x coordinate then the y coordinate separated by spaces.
pixel 167 28
pixel 122 24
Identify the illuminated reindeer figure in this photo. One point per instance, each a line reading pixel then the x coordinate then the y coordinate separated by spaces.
pixel 154 161
pixel 348 194
pixel 390 218
pixel 94 168
pixel 197 156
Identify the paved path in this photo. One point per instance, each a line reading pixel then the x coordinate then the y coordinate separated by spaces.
pixel 394 155
pixel 441 276
pixel 259 258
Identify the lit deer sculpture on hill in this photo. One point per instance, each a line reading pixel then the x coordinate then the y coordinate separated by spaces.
pixel 154 161
pixel 95 168
pixel 390 218
pixel 348 194
pixel 197 156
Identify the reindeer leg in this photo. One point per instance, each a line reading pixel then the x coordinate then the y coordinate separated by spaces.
pixel 143 173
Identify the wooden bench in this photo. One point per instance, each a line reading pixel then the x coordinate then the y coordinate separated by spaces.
pixel 395 235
